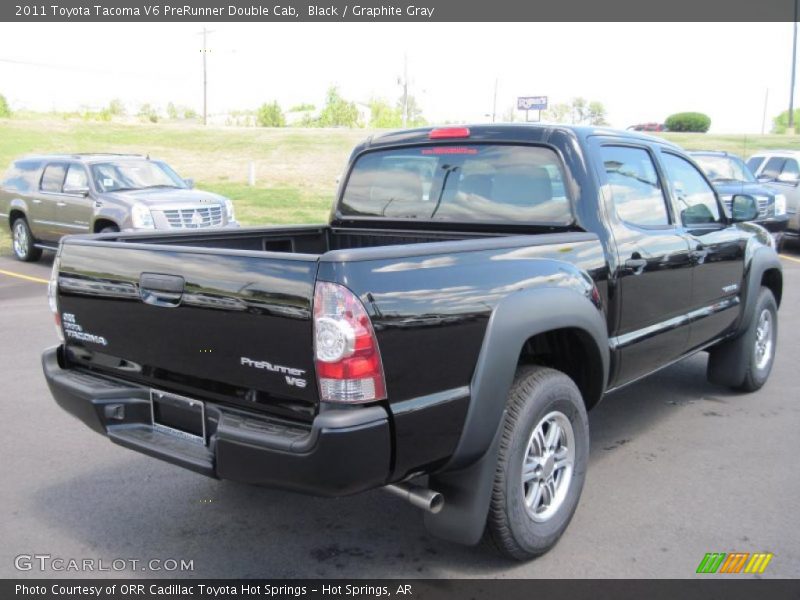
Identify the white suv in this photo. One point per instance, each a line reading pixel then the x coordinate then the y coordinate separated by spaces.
pixel 779 170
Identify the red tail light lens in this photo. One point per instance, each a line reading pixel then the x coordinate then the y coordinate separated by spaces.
pixel 348 360
pixel 445 133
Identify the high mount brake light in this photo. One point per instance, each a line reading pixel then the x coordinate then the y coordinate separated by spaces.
pixel 346 353
pixel 445 133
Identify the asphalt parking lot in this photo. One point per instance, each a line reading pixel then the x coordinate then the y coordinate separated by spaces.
pixel 678 468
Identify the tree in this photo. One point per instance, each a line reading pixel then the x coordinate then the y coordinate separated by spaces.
pixel 302 107
pixel 172 112
pixel 596 113
pixel 557 113
pixel 148 113
pixel 688 121
pixel 414 115
pixel 270 115
pixel 781 123
pixel 116 108
pixel 337 111
pixel 5 110
pixel 383 116
pixel 579 110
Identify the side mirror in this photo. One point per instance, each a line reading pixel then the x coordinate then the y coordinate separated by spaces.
pixel 789 178
pixel 743 208
pixel 78 190
pixel 189 182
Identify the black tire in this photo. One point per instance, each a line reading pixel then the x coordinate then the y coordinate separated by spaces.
pixel 737 363
pixel 109 229
pixel 537 393
pixel 23 241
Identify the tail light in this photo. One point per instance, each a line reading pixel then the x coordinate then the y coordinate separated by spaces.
pixel 52 297
pixel 348 360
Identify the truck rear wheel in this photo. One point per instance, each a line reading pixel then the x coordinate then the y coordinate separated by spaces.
pixel 23 242
pixel 541 465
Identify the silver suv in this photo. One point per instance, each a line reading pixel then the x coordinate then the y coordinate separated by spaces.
pixel 779 170
pixel 46 197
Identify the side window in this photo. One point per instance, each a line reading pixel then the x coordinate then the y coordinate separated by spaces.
pixel 754 162
pixel 21 176
pixel 773 167
pixel 76 178
pixel 635 188
pixel 697 203
pixel 790 172
pixel 53 178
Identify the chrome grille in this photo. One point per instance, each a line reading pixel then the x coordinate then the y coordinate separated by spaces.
pixel 763 206
pixel 194 217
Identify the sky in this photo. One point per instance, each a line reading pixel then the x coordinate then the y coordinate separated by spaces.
pixel 641 72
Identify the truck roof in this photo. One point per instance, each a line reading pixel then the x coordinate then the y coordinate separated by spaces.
pixel 87 157
pixel 511 131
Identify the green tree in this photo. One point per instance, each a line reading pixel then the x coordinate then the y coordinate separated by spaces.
pixel 337 111
pixel 148 113
pixel 302 107
pixel 596 113
pixel 781 123
pixel 415 118
pixel 270 115
pixel 116 108
pixel 5 110
pixel 172 112
pixel 557 113
pixel 383 116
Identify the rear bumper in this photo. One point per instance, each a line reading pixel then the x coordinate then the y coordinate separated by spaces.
pixel 342 452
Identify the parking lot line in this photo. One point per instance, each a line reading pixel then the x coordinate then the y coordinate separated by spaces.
pixel 791 258
pixel 21 276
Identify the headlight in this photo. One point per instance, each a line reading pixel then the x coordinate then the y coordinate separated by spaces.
pixel 229 210
pixel 141 217
pixel 780 205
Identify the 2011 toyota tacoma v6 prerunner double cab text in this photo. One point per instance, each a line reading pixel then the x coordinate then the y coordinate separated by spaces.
pixel 476 292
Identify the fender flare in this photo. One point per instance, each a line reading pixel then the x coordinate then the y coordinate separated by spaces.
pixel 17 204
pixel 466 480
pixel 763 259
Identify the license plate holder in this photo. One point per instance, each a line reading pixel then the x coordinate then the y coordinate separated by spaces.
pixel 178 415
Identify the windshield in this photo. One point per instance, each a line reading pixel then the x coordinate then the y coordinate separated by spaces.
pixel 464 183
pixel 724 168
pixel 134 175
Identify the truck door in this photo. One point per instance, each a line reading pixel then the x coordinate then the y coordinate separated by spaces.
pixel 43 202
pixel 75 206
pixel 653 271
pixel 717 251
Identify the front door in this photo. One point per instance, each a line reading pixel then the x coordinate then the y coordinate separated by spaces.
pixel 717 251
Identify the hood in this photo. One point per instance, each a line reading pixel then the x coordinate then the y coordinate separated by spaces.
pixel 154 197
pixel 729 188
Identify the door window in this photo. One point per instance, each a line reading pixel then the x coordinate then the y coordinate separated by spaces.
pixel 790 172
pixel 773 168
pixel 697 202
pixel 635 187
pixel 53 178
pixel 754 162
pixel 76 178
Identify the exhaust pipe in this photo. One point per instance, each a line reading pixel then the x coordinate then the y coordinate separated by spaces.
pixel 418 496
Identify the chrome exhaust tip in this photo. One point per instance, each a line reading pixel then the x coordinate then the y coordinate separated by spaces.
pixel 418 496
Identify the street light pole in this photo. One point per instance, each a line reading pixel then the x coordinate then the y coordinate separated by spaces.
pixel 794 64
pixel 205 33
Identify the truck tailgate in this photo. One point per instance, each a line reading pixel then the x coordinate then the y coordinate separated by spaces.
pixel 230 325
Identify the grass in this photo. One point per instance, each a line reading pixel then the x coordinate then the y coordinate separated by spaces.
pixel 296 169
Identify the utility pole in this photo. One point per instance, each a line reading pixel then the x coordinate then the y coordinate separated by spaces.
pixel 205 33
pixel 405 90
pixel 494 104
pixel 764 115
pixel 794 62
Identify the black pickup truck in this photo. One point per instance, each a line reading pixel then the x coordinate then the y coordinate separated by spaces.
pixel 476 292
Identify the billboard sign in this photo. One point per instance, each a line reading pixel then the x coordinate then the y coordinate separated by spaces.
pixel 532 103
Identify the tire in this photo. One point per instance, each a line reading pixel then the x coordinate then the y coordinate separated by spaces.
pixel 109 229
pixel 745 363
pixel 23 240
pixel 539 398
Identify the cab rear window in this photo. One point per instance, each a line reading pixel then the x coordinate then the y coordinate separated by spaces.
pixel 461 183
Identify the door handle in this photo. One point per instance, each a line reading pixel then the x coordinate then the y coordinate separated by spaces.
pixel 161 290
pixel 698 255
pixel 637 265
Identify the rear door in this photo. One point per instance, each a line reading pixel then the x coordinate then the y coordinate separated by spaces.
pixel 75 205
pixel 716 250
pixel 653 270
pixel 45 199
pixel 208 323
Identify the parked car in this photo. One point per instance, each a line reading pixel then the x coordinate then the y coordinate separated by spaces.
pixel 731 176
pixel 648 127
pixel 442 337
pixel 779 170
pixel 43 198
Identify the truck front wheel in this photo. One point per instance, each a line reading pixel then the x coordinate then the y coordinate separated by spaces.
pixel 542 461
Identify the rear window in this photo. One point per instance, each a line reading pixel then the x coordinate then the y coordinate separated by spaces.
pixel 21 176
pixel 463 183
